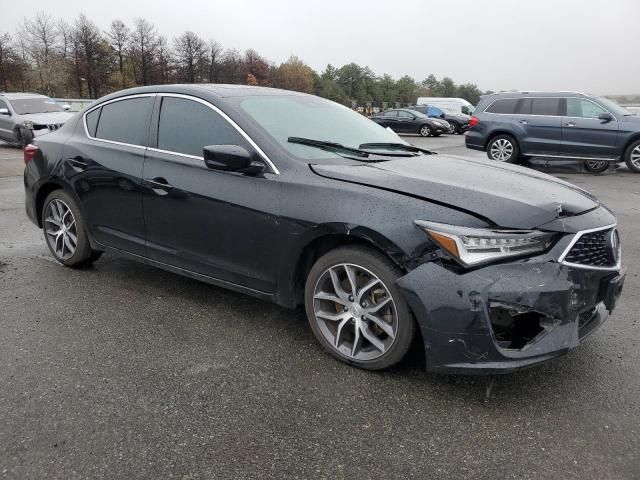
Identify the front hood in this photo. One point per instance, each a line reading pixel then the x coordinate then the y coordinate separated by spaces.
pixel 505 195
pixel 51 118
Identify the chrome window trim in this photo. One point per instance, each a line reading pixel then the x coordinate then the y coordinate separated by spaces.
pixel 548 116
pixel 244 134
pixel 170 152
pixel 95 107
pixel 577 237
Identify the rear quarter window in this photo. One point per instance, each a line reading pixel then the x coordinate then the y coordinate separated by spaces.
pixel 503 105
pixel 125 121
pixel 92 121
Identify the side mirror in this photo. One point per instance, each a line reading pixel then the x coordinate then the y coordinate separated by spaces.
pixel 605 116
pixel 231 158
pixel 4 111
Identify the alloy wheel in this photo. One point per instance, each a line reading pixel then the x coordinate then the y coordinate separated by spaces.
pixel 425 131
pixel 596 165
pixel 60 227
pixel 501 150
pixel 635 157
pixel 355 312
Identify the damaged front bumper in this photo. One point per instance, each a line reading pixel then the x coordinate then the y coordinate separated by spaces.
pixel 507 316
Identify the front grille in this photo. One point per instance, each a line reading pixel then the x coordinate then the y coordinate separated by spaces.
pixel 54 126
pixel 595 249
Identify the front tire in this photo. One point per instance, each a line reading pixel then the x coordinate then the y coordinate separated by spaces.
pixel 632 156
pixel 596 166
pixel 503 148
pixel 355 309
pixel 425 131
pixel 65 231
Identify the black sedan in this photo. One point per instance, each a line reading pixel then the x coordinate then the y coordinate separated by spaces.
pixel 408 121
pixel 298 200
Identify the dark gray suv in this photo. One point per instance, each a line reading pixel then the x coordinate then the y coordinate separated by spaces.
pixel 556 125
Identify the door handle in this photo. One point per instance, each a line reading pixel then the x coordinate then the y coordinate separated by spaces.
pixel 159 185
pixel 569 124
pixel 78 163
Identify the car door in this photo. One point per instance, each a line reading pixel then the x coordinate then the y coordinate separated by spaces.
pixel 584 134
pixel 219 224
pixel 538 123
pixel 104 164
pixel 406 122
pixel 390 119
pixel 6 123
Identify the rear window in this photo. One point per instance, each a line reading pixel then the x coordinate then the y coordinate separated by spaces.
pixel 545 106
pixel 125 121
pixel 503 105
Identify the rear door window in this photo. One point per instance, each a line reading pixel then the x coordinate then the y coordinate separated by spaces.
pixel 545 106
pixel 503 105
pixel 125 121
pixel 187 126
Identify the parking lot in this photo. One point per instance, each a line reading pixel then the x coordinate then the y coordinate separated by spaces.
pixel 126 371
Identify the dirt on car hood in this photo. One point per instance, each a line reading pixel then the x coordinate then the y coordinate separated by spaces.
pixel 508 196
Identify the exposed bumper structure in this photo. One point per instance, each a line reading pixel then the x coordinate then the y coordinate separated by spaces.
pixel 504 317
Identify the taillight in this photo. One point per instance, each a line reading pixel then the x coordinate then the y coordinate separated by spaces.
pixel 473 121
pixel 29 152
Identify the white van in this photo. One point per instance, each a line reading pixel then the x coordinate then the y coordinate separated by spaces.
pixel 453 105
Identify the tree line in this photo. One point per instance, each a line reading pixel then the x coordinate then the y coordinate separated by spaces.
pixel 60 58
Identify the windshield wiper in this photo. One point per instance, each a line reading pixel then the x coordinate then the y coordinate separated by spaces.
pixel 328 146
pixel 397 146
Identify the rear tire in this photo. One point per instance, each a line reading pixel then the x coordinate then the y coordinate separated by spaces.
pixel 503 148
pixel 425 131
pixel 374 308
pixel 632 156
pixel 596 166
pixel 65 231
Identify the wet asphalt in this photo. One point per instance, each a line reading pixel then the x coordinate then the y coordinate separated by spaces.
pixel 126 371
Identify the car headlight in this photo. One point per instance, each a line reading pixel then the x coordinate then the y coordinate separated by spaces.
pixel 438 123
pixel 475 246
pixel 28 124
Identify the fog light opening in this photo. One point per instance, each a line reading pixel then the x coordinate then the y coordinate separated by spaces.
pixel 515 327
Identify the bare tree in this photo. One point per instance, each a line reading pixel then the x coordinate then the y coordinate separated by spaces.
pixel 142 47
pixel 40 36
pixel 164 62
pixel 189 50
pixel 231 67
pixel 214 60
pixel 118 36
pixel 6 56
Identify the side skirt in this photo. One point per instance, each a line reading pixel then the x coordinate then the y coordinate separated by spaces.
pixel 196 276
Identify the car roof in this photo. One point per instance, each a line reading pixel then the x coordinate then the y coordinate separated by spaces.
pixel 16 95
pixel 538 94
pixel 210 89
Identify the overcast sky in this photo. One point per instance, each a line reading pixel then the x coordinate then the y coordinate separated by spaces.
pixel 583 45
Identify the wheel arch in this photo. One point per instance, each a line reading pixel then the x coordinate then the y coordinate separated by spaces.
pixel 496 133
pixel 43 191
pixel 632 138
pixel 330 240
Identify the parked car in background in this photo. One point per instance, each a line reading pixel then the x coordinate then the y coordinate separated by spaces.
pixel 453 105
pixel 297 200
pixel 403 120
pixel 24 116
pixel 458 122
pixel 556 125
